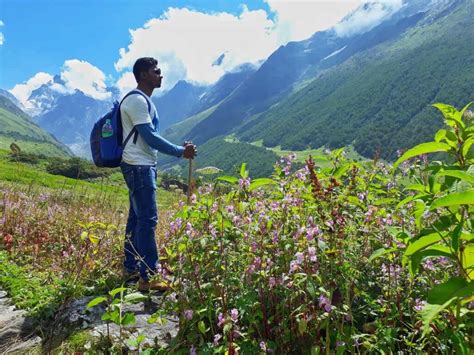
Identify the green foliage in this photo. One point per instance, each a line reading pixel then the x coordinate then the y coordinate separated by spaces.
pixel 77 168
pixel 453 208
pixel 27 290
pixel 228 157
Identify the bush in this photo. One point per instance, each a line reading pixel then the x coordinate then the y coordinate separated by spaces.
pixel 23 157
pixel 76 168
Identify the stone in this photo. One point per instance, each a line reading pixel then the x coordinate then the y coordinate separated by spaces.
pixel 16 329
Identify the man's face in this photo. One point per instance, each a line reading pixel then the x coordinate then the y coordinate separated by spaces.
pixel 154 77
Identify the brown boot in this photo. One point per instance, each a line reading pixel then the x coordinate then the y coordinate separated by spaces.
pixel 153 285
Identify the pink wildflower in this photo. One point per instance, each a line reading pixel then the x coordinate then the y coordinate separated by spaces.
pixel 188 314
pixel 234 315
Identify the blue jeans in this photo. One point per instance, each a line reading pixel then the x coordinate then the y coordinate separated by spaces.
pixel 140 244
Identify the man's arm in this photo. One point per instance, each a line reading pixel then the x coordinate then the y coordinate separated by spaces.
pixel 154 140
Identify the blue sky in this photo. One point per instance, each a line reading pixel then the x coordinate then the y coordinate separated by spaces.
pixel 39 35
pixel 92 44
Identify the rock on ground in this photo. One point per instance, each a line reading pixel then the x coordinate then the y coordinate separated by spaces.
pixel 16 329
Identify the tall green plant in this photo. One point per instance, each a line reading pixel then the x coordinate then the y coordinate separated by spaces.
pixel 444 195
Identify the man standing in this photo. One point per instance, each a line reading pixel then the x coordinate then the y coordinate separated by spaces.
pixel 139 170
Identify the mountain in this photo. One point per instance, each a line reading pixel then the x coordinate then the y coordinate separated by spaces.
pixel 17 127
pixel 185 99
pixel 369 87
pixel 379 100
pixel 10 97
pixel 178 102
pixel 71 118
pixel 297 62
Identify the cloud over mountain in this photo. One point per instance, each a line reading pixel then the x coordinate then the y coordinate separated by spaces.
pixel 75 75
pixel 367 16
pixel 187 42
pixel 83 76
pixel 23 91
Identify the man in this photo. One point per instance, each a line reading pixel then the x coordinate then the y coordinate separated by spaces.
pixel 139 170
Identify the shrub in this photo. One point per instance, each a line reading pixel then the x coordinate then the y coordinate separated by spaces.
pixel 76 168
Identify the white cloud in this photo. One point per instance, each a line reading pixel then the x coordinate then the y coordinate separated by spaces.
pixel 299 19
pixel 126 82
pixel 81 75
pixel 187 43
pixel 23 91
pixel 367 17
pixel 2 37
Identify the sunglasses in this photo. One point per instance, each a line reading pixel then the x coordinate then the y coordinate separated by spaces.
pixel 157 71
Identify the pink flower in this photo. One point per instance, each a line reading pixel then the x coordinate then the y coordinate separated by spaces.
pixel 299 258
pixel 325 303
pixel 419 304
pixel 312 254
pixel 217 337
pixel 234 315
pixel 188 314
pixel 293 266
pixel 244 183
pixel 271 282
pixel 220 320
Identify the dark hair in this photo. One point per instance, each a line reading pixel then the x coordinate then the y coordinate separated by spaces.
pixel 143 65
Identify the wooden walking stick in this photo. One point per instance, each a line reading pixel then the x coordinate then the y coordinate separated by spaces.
pixel 190 180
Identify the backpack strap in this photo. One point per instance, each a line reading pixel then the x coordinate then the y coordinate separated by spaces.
pixel 134 130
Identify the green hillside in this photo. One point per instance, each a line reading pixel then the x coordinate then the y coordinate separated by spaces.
pixel 379 99
pixel 16 127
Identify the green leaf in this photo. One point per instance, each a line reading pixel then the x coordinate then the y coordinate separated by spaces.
pixel 467 145
pixel 468 260
pixel 422 243
pixel 260 182
pixel 454 199
pixel 117 290
pixel 380 252
pixel 135 297
pixel 458 174
pixel 182 247
pixel 128 319
pixel 456 234
pixel 96 301
pixel 450 114
pixel 430 312
pixel 420 149
pixel 384 201
pixel 202 327
pixel 440 135
pixel 455 287
pixel 465 108
pixel 302 325
pixel 416 187
pixel 243 171
pixel 208 170
pixel 229 179
pixel 342 170
pixel 409 199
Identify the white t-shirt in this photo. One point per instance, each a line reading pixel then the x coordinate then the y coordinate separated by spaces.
pixel 134 111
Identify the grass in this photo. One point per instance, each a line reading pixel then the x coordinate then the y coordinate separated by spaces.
pixel 111 188
pixel 25 133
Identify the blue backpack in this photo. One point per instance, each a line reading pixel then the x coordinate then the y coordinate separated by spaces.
pixel 107 136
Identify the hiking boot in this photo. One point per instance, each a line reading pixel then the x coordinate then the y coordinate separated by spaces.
pixel 153 285
pixel 130 275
